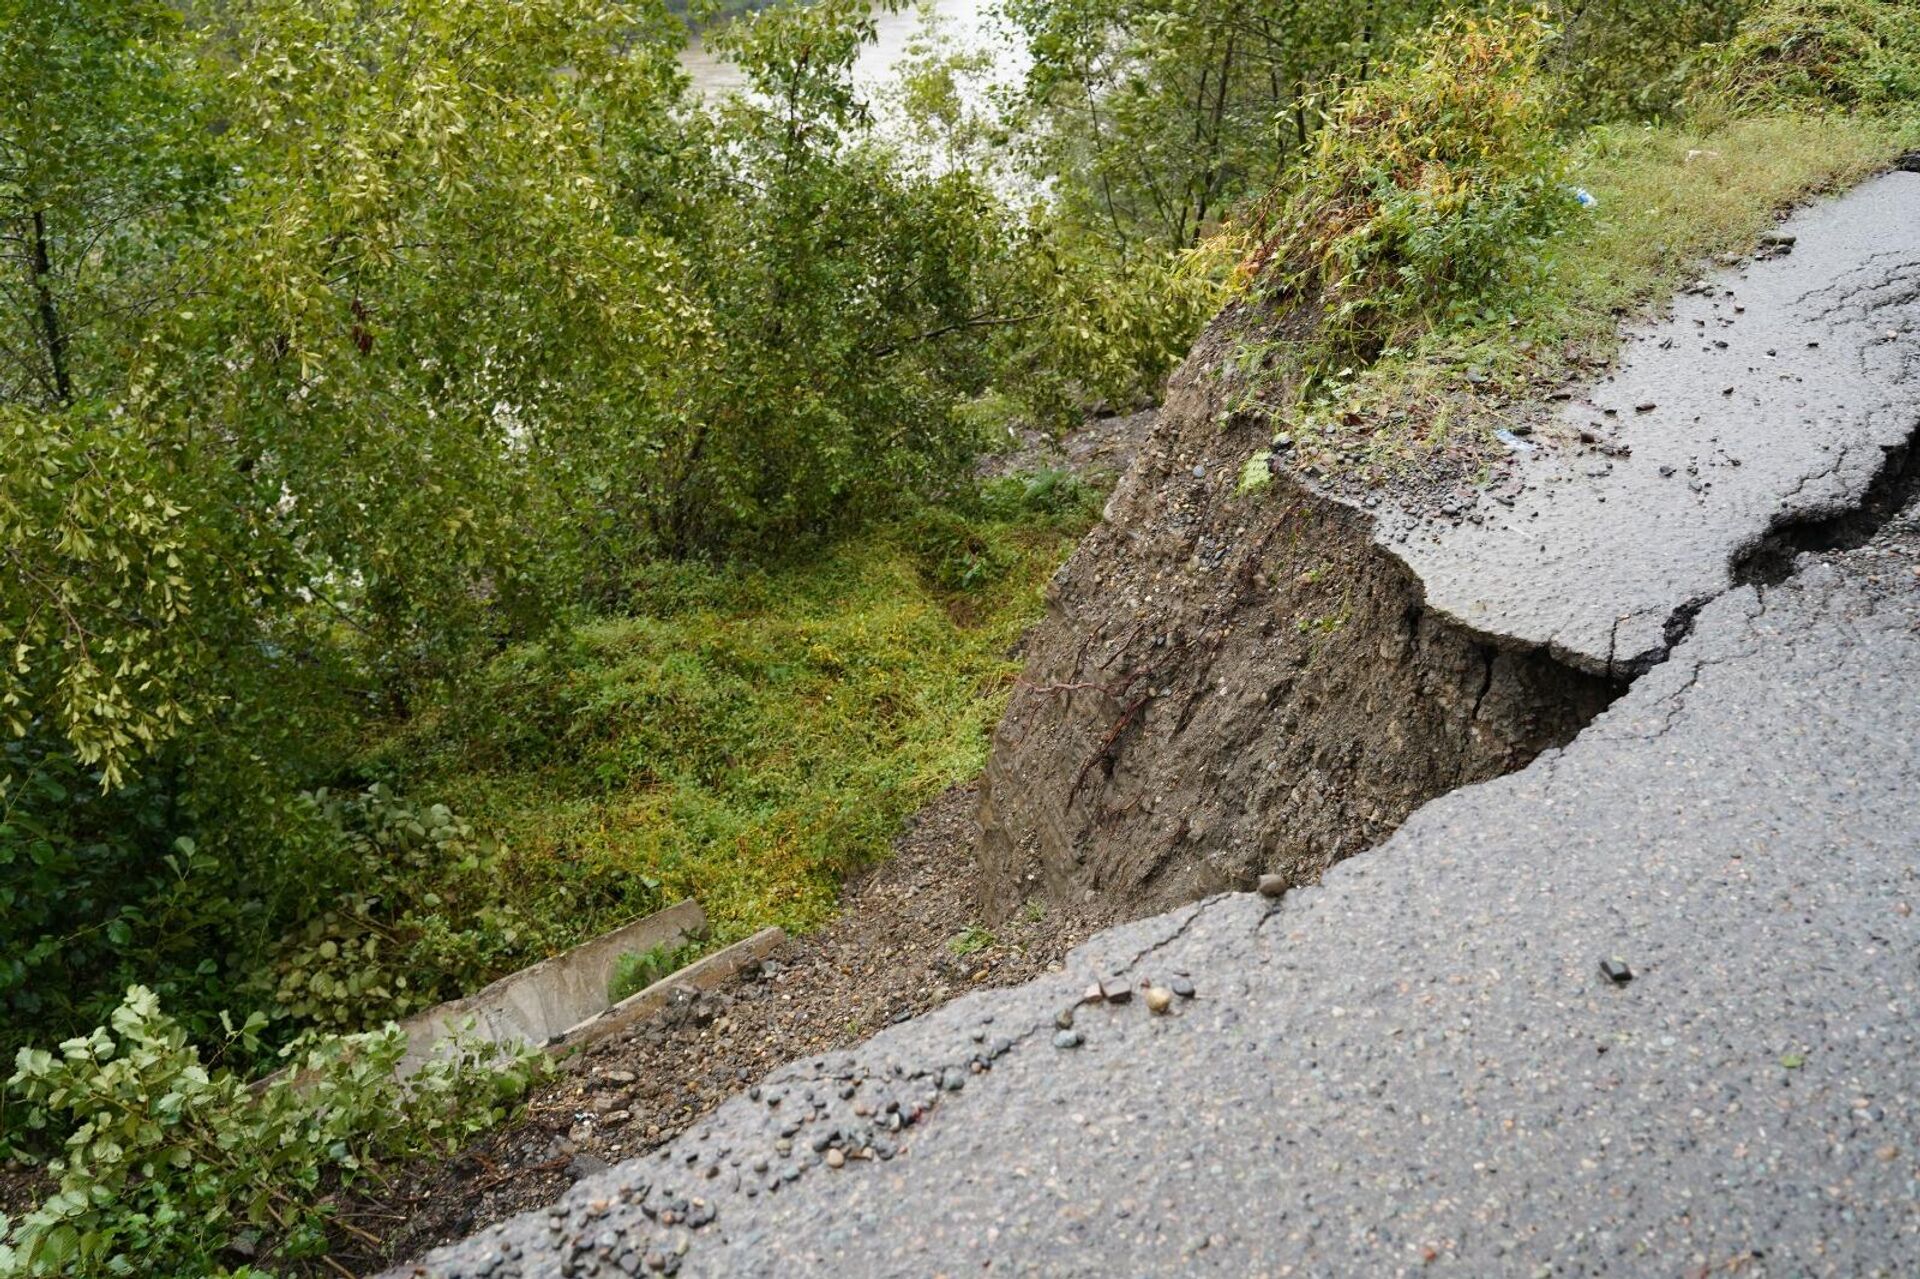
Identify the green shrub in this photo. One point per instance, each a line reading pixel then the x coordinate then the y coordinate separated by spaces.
pixel 165 1167
pixel 1849 55
pixel 634 971
pixel 1633 59
pixel 413 916
pixel 360 907
pixel 1432 186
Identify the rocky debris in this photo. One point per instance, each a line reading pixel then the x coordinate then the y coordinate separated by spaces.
pixel 584 1165
pixel 1229 686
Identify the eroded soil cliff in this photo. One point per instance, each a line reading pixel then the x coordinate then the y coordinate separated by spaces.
pixel 1231 684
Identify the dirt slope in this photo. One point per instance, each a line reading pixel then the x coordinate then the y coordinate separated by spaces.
pixel 1226 685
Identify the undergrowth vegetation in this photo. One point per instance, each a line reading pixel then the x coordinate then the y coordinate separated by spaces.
pixel 1824 55
pixel 748 736
pixel 1432 186
pixel 165 1167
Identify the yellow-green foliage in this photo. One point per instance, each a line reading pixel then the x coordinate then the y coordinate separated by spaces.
pixel 748 737
pixel 1432 185
pixel 1824 54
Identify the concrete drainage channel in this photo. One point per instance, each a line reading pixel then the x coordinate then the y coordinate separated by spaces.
pixel 1167 717
pixel 562 1003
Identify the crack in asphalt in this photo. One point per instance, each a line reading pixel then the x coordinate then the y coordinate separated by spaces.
pixel 1675 700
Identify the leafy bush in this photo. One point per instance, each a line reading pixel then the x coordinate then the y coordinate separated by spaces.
pixel 1633 59
pixel 1432 186
pixel 165 1167
pixel 1113 327
pixel 82 875
pixel 100 890
pixel 370 908
pixel 413 916
pixel 1823 55
pixel 634 971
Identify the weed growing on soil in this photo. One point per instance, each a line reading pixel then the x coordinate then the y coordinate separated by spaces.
pixel 634 971
pixel 970 940
pixel 1433 186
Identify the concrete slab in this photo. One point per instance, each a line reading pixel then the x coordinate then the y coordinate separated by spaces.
pixel 543 1002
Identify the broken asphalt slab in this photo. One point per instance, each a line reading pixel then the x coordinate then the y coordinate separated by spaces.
pixel 1770 395
pixel 1420 1065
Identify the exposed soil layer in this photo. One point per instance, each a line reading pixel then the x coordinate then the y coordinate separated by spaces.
pixel 901 945
pixel 1227 685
